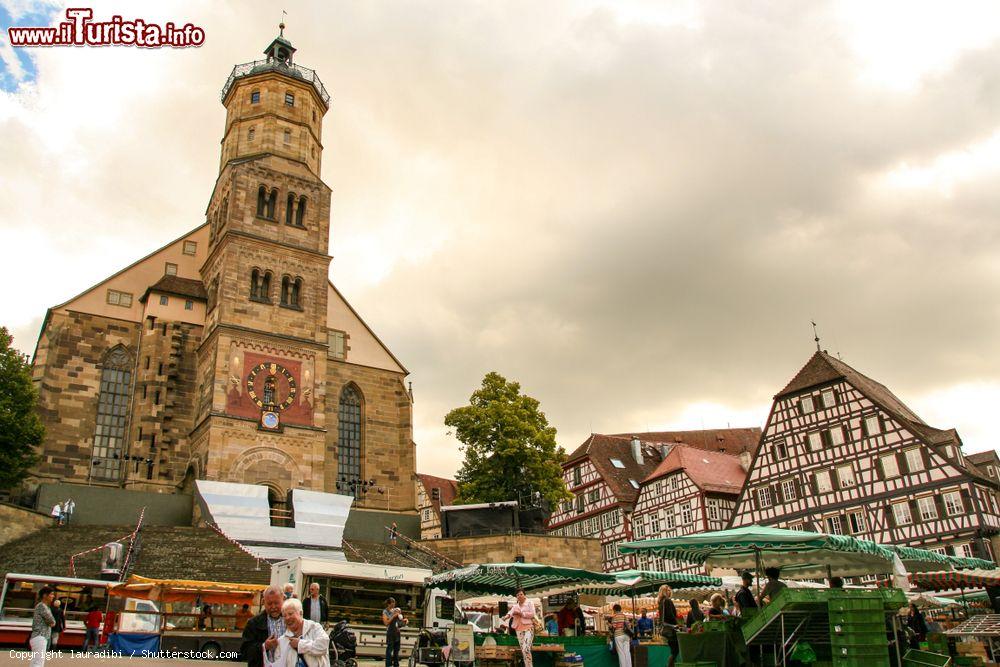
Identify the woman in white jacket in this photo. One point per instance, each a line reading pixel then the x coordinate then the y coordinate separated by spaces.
pixel 304 639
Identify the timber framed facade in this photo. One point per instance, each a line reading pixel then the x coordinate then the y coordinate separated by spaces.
pixel 841 454
pixel 606 474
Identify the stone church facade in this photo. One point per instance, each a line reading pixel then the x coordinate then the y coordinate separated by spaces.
pixel 228 354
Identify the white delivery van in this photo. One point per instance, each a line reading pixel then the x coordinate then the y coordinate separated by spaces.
pixel 357 592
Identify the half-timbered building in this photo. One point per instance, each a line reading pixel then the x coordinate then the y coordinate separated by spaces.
pixel 605 475
pixel 691 491
pixel 432 493
pixel 840 453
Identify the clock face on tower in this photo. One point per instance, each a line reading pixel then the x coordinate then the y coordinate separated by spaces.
pixel 268 395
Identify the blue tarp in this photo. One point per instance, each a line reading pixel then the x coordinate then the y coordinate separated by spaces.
pixel 134 643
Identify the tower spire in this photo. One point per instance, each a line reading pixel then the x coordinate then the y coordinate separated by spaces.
pixel 815 335
pixel 281 26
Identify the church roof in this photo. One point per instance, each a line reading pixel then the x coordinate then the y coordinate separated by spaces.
pixel 177 286
pixel 710 471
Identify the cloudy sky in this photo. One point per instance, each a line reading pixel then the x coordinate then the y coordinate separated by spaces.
pixel 633 209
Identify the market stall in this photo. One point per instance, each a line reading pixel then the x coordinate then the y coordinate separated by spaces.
pixel 186 615
pixel 844 623
pixel 545 580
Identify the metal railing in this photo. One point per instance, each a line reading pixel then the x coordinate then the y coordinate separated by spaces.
pixel 272 65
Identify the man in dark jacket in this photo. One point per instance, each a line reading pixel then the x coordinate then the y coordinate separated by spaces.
pixel 262 631
pixel 314 607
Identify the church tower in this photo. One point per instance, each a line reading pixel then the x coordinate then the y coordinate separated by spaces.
pixel 263 357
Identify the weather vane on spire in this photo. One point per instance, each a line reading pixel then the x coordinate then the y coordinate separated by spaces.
pixel 815 336
pixel 281 26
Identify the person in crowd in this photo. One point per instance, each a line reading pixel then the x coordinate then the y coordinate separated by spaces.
pixel 836 582
pixel 668 622
pixel 41 626
pixel 393 620
pixel 315 606
pixel 393 533
pixel 621 634
pixel 644 626
pixel 773 586
pixel 551 625
pixel 522 613
pixel 570 617
pixel 290 591
pixel 56 514
pixel 68 508
pixel 263 630
pixel 243 614
pixel 92 625
pixel 59 614
pixel 744 596
pixel 917 624
pixel 307 641
pixel 110 625
pixel 205 621
pixel 717 607
pixel 696 614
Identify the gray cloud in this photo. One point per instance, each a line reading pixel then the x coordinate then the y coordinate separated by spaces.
pixel 628 218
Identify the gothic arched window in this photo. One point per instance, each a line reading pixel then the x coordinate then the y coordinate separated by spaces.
pixel 300 212
pixel 290 208
pixel 114 401
pixel 260 285
pixel 350 418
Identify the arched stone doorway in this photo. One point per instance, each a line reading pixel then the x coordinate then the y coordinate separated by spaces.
pixel 277 502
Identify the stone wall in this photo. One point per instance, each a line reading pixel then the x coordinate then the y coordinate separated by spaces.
pixel 579 552
pixel 16 522
pixel 67 374
pixel 369 525
pixel 101 505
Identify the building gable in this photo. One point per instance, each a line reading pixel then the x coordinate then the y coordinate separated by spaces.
pixel 362 346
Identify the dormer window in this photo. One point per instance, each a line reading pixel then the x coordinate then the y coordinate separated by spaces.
pixel 289 100
pixel 255 97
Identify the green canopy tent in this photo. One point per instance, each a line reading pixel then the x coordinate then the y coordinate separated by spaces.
pixel 639 582
pixel 506 578
pixel 966 563
pixel 799 554
pixel 920 560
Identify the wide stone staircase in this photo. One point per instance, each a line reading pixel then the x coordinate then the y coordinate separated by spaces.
pixel 165 552
pixel 176 552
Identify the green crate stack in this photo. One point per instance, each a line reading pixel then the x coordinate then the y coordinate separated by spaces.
pixel 857 631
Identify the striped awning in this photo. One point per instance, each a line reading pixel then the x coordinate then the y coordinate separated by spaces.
pixel 506 578
pixel 638 582
pixel 921 560
pixel 799 554
pixel 964 563
pixel 948 580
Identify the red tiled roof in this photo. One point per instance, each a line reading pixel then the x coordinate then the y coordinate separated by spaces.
pixel 600 449
pixel 731 440
pixel 448 487
pixel 710 471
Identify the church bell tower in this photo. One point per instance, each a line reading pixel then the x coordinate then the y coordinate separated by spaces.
pixel 262 362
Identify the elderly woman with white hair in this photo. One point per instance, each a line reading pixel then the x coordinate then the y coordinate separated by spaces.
pixel 305 639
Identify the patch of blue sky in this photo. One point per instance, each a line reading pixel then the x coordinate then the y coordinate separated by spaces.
pixel 17 65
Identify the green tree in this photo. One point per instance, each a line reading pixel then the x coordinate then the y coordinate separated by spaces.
pixel 20 428
pixel 510 449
